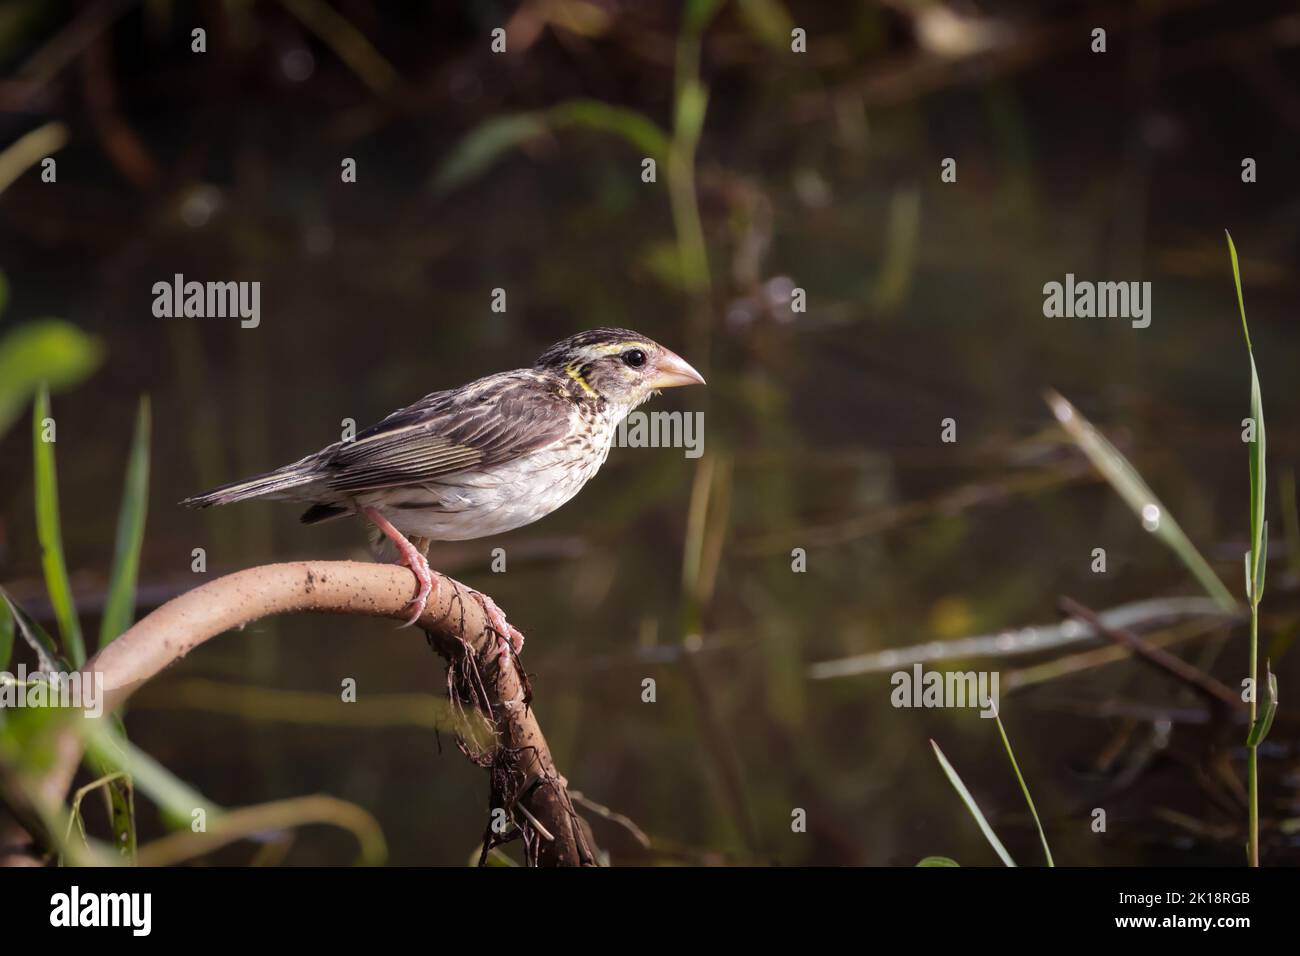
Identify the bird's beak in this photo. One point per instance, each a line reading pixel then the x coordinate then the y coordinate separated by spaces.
pixel 672 370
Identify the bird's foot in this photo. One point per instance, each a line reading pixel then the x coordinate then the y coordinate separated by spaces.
pixel 428 584
pixel 509 637
pixel 411 557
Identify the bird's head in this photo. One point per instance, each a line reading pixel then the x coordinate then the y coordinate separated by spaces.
pixel 622 367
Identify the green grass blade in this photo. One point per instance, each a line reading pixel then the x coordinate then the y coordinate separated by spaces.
pixel 1256 562
pixel 47 652
pixel 492 139
pixel 1258 449
pixel 1126 481
pixel 108 748
pixel 119 606
pixel 1236 278
pixel 50 534
pixel 1257 585
pixel 1024 789
pixel 1258 481
pixel 1264 722
pixel 971 806
pixel 639 131
pixel 938 861
pixel 119 804
pixel 483 146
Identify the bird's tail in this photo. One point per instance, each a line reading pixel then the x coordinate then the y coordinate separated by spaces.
pixel 286 482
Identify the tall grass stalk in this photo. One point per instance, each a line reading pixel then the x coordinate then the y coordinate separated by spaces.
pixel 49 533
pixel 1024 788
pixel 119 606
pixel 1256 561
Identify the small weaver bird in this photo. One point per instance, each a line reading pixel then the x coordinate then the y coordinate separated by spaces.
pixel 482 459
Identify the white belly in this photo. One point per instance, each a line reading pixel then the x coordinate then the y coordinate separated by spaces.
pixel 490 502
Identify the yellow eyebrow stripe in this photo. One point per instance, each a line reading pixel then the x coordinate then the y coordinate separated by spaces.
pixel 573 373
pixel 620 346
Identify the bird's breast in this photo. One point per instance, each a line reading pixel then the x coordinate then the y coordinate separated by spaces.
pixel 481 502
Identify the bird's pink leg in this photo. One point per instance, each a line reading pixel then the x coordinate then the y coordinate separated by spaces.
pixel 411 558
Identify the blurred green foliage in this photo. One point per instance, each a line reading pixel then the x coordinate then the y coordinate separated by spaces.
pixel 50 351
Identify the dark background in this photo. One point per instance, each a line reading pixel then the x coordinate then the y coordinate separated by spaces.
pixel 822 428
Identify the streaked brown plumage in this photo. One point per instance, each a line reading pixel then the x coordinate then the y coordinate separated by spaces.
pixel 492 455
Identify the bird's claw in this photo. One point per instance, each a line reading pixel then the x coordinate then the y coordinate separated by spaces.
pixel 428 584
pixel 509 637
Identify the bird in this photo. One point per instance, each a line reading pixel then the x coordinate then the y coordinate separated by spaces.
pixel 495 454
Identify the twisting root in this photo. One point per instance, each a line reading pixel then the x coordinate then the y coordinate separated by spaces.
pixel 522 771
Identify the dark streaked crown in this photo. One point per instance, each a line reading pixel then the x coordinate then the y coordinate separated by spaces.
pixel 562 353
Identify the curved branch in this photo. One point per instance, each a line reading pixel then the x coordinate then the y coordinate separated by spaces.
pixel 523 774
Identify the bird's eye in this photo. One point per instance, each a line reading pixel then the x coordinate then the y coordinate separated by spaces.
pixel 634 358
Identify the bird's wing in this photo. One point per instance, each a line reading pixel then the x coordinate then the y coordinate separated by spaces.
pixel 485 423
